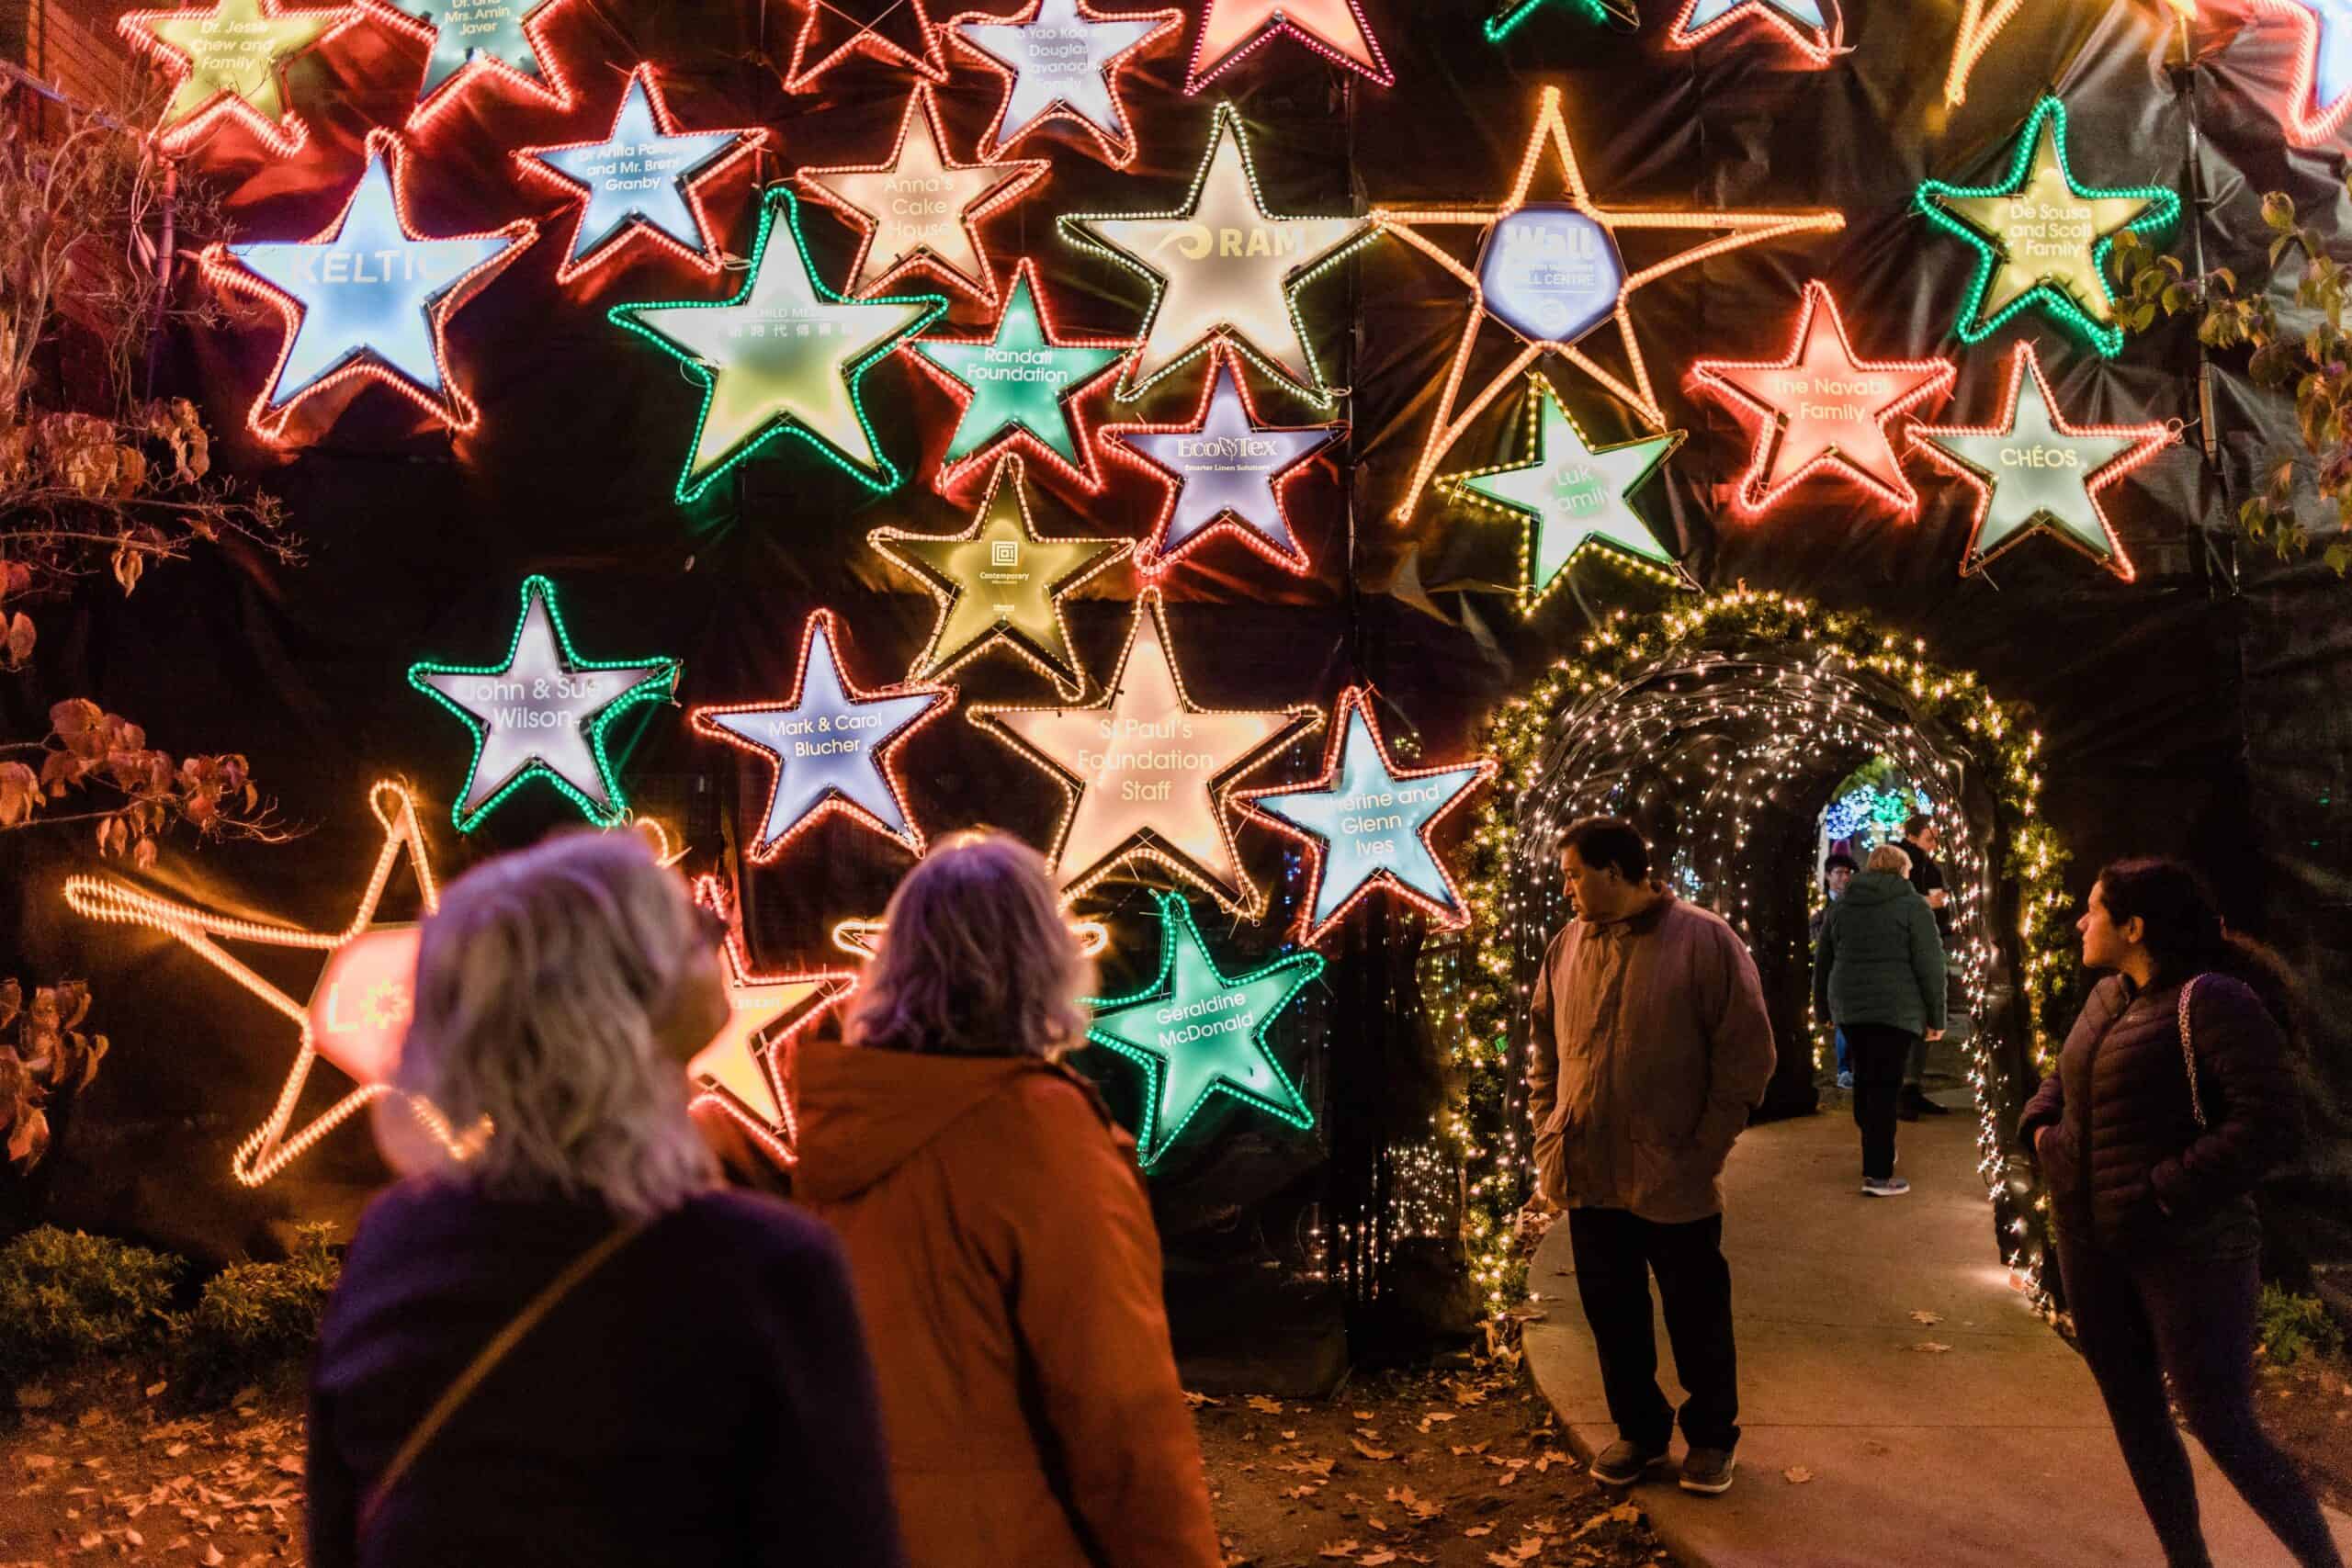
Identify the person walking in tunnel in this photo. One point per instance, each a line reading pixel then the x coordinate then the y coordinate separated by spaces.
pixel 2173 1097
pixel 1921 841
pixel 1836 872
pixel 1000 1238
pixel 1878 971
pixel 1649 1046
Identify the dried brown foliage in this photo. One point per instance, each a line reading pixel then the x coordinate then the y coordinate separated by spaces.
pixel 42 1053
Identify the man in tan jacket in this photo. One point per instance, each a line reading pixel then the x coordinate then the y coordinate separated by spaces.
pixel 1649 1046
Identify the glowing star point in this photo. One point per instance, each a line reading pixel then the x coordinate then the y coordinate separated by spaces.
pixel 358 1009
pixel 1225 471
pixel 229 61
pixel 643 177
pixel 745 1069
pixel 543 713
pixel 896 32
pixel 1549 273
pixel 1511 15
pixel 784 356
pixel 368 297
pixel 1822 408
pixel 503 40
pixel 1199 1034
pixel 1366 824
pixel 1807 24
pixel 2041 239
pixel 2032 471
pixel 1221 267
pixel 999 581
pixel 1980 21
pixel 1232 31
pixel 1146 774
pixel 1568 493
pixel 1062 61
pixel 921 210
pixel 1019 385
pixel 2321 96
pixel 830 746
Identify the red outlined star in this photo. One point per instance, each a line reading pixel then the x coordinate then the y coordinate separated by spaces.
pixel 1980 22
pixel 1115 142
pixel 1232 31
pixel 551 88
pixel 899 32
pixel 1819 45
pixel 860 193
pixel 1550 131
pixel 745 1072
pixel 205 91
pixel 2310 116
pixel 1822 408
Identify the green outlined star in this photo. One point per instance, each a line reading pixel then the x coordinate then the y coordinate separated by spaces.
pixel 1197 1033
pixel 785 356
pixel 1570 493
pixel 2041 239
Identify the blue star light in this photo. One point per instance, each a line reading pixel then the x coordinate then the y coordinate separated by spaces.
pixel 1198 1033
pixel 467 37
pixel 1802 22
pixel 368 297
pixel 1366 824
pixel 831 745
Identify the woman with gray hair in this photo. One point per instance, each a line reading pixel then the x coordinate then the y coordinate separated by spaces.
pixel 575 1348
pixel 1000 1238
pixel 1878 973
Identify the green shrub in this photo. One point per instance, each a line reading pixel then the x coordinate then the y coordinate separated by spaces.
pixel 67 1297
pixel 2291 1326
pixel 258 1319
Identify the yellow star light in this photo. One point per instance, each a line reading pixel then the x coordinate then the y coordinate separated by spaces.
pixel 1222 267
pixel 997 580
pixel 743 1071
pixel 1148 775
pixel 230 59
pixel 1579 217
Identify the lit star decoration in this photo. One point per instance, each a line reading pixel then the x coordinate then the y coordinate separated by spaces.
pixel 998 582
pixel 366 297
pixel 2322 91
pixel 467 40
pixel 744 1070
pixel 543 713
pixel 1512 13
pixel 1232 31
pixel 831 747
pixel 1020 387
pixel 644 177
pixel 1223 470
pixel 1146 774
pixel 1980 22
pixel 1062 61
pixel 366 954
pixel 1366 824
pixel 1822 408
pixel 2041 239
pixel 1198 1033
pixel 1804 23
pixel 1552 263
pixel 920 210
pixel 784 356
pixel 1221 265
pixel 864 938
pixel 896 33
pixel 2031 470
pixel 1568 493
pixel 229 62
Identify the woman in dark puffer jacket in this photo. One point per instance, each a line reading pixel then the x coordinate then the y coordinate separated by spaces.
pixel 2152 1173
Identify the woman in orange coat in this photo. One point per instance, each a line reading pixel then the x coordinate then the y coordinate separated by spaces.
pixel 1000 1238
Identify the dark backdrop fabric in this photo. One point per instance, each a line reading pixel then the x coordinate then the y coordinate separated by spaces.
pixel 2194 712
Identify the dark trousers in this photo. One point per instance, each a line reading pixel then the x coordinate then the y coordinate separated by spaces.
pixel 1880 1051
pixel 1616 1252
pixel 2188 1314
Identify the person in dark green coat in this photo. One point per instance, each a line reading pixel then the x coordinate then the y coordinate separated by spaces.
pixel 1878 973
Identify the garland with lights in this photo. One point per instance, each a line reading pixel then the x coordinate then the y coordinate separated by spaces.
pixel 1473 988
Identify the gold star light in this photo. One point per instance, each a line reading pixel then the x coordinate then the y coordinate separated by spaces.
pixel 744 1070
pixel 231 60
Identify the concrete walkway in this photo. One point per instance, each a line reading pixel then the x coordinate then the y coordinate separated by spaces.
pixel 1995 1452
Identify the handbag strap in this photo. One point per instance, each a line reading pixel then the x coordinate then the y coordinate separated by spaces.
pixel 2189 1054
pixel 485 1360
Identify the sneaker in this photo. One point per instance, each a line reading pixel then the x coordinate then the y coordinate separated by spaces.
pixel 1708 1470
pixel 1885 1187
pixel 1845 1080
pixel 1622 1464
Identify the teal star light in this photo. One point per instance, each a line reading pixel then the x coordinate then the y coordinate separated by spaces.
pixel 465 38
pixel 543 713
pixel 1019 385
pixel 1366 824
pixel 1569 493
pixel 786 356
pixel 1512 14
pixel 1198 1033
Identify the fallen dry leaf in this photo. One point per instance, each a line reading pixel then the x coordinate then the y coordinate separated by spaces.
pixel 1377 1559
pixel 1931 1346
pixel 1197 1400
pixel 1370 1452
pixel 1420 1508
pixel 1259 1402
pixel 1797 1474
pixel 1341 1549
pixel 1475 1531
pixel 1929 1319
